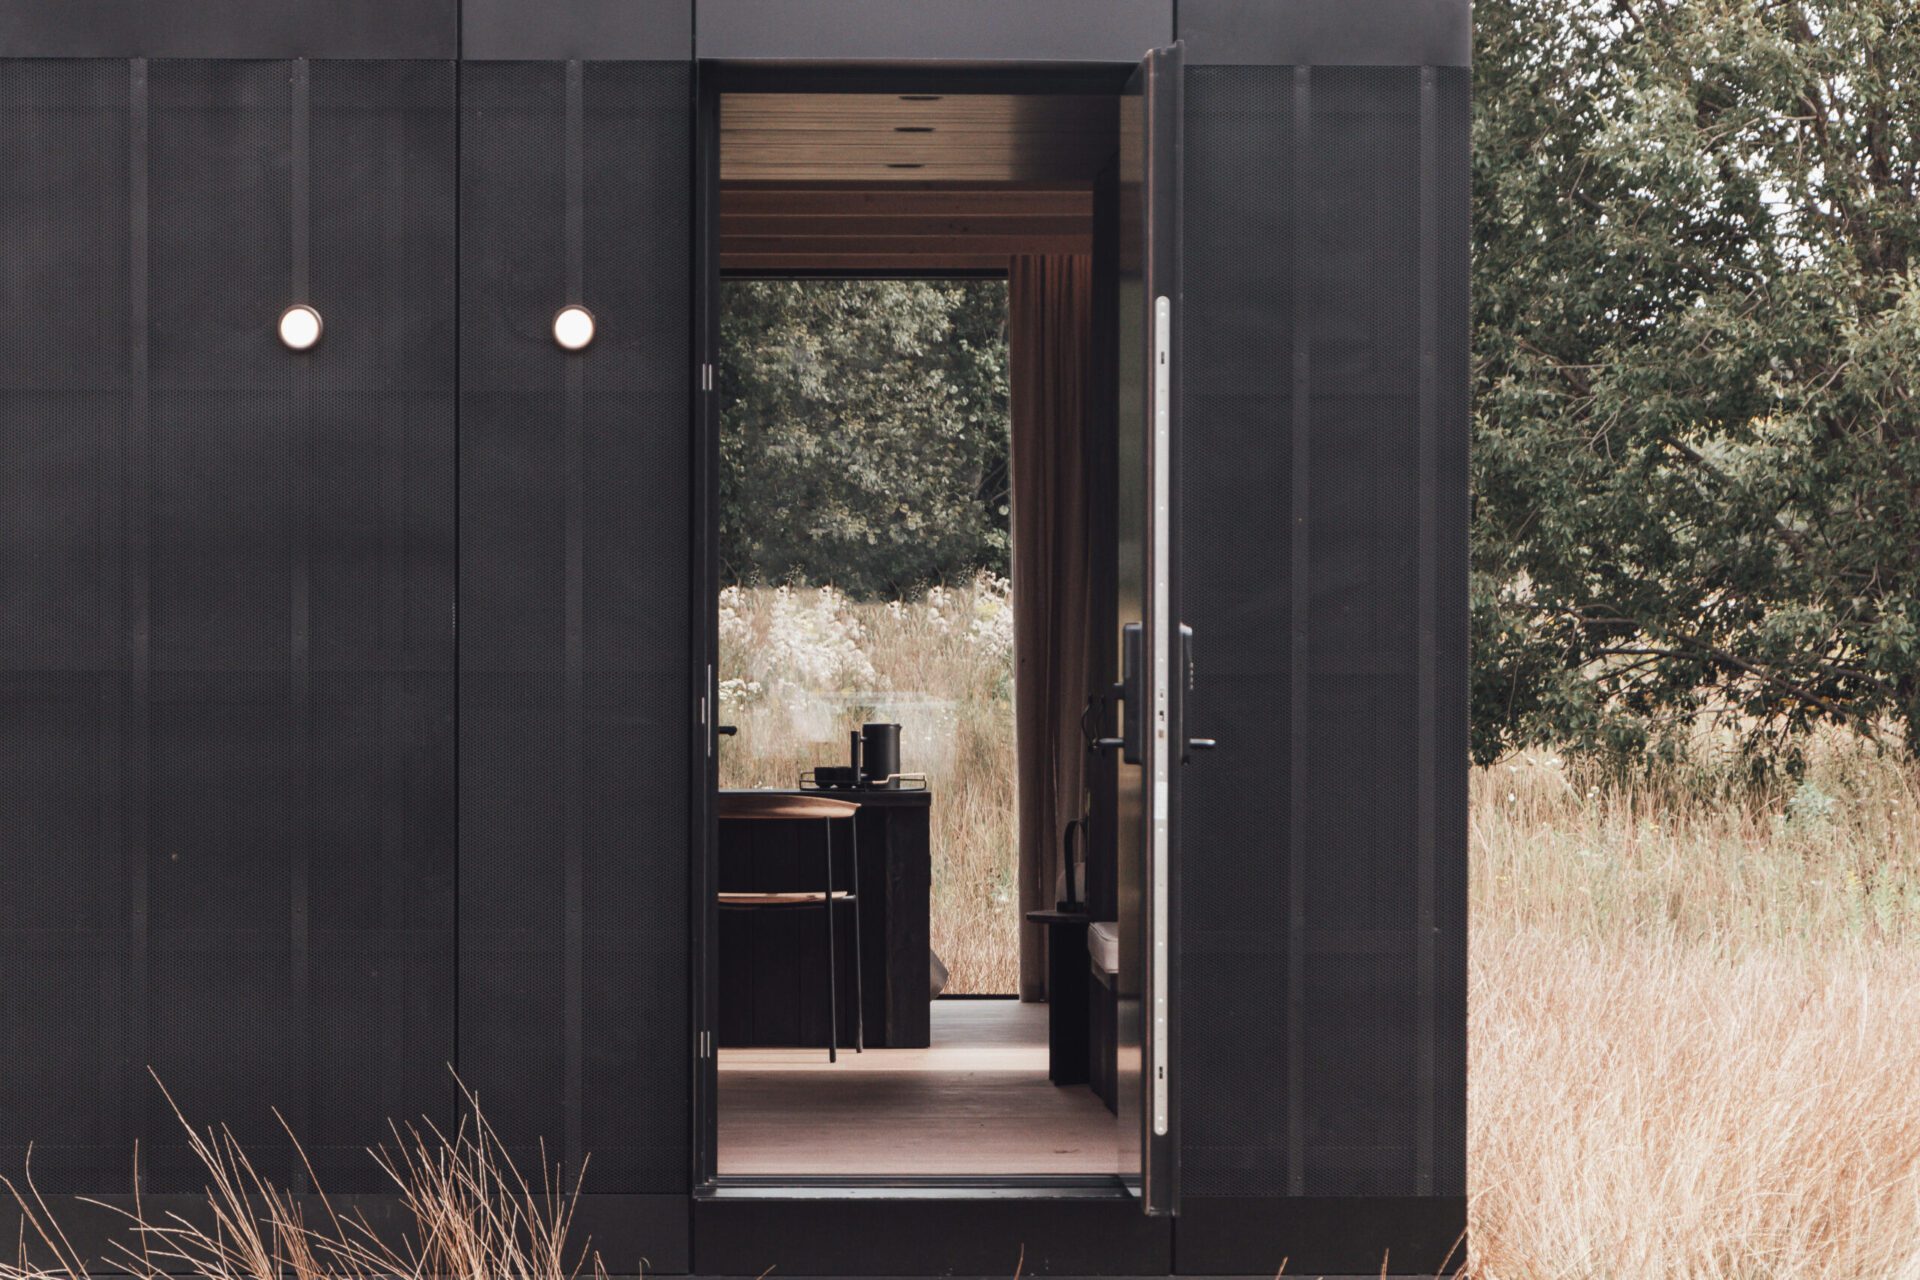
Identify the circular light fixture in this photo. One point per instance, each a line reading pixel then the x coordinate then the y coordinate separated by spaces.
pixel 573 328
pixel 300 327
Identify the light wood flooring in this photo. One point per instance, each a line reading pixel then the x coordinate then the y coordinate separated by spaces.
pixel 977 1102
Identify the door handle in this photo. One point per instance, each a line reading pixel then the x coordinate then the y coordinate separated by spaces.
pixel 1127 694
pixel 1186 676
pixel 726 730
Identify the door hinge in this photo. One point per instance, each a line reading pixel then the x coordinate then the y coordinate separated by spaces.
pixel 703 1044
pixel 706 377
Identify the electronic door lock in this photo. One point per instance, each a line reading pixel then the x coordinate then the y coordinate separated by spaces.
pixel 1186 672
pixel 1127 694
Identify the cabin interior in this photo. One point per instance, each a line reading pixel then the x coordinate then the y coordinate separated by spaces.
pixel 975 185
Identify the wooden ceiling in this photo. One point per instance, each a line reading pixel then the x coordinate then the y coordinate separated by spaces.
pixel 775 228
pixel 918 183
pixel 880 137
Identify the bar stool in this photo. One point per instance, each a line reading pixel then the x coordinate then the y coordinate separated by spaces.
pixel 748 806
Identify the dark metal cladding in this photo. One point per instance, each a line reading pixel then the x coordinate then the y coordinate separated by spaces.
pixel 71 395
pixel 230 696
pixel 575 685
pixel 960 31
pixel 1328 33
pixel 1325 421
pixel 602 30
pixel 378 29
pixel 229 601
pixel 873 1231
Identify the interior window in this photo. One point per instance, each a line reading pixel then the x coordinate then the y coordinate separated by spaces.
pixel 865 566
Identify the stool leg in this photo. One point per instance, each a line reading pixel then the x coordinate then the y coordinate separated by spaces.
pixel 833 968
pixel 859 984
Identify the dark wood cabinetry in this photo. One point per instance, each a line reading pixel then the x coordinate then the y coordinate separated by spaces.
pixel 772 965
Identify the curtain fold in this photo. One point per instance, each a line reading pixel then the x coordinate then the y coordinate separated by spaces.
pixel 1050 334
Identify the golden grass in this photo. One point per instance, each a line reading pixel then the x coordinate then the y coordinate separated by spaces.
pixel 469 1214
pixel 1695 1028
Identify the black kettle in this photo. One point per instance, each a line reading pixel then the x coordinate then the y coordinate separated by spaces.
pixel 880 756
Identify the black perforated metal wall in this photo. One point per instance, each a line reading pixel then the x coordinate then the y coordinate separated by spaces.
pixel 67 393
pixel 236 571
pixel 574 651
pixel 1325 572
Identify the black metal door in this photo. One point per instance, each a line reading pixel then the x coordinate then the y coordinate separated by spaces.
pixel 576 695
pixel 229 637
pixel 1152 744
pixel 1326 552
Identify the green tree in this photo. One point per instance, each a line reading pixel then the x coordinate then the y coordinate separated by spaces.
pixel 1697 335
pixel 865 432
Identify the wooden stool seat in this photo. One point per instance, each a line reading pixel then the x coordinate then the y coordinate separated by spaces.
pixel 775 806
pixel 737 806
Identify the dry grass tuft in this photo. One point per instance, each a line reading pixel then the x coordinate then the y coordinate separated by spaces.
pixel 474 1217
pixel 1696 1023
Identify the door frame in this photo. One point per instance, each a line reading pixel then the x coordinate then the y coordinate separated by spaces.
pixel 1163 659
pixel 755 1204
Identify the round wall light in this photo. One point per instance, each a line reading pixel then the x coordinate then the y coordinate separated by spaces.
pixel 573 328
pixel 300 327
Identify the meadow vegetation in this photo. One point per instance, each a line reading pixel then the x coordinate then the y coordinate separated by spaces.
pixel 1695 1018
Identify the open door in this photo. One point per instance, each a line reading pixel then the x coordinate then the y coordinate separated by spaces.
pixel 1152 743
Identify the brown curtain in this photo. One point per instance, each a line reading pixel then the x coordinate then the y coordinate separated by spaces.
pixel 1050 313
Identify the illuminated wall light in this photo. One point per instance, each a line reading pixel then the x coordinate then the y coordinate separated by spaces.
pixel 300 327
pixel 573 328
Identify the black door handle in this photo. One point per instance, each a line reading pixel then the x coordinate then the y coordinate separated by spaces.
pixel 1186 674
pixel 726 730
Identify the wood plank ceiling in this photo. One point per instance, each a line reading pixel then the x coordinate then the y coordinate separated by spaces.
pixel 918 183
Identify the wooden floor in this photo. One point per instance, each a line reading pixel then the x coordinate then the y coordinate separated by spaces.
pixel 977 1102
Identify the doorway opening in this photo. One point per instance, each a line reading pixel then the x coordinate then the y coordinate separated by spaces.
pixel 917 477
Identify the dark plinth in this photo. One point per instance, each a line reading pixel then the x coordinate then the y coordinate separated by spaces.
pixel 1066 994
pixel 772 962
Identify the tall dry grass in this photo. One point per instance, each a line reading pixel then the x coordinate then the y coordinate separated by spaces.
pixel 468 1214
pixel 1695 1041
pixel 801 666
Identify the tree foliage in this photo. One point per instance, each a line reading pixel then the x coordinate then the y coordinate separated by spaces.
pixel 866 432
pixel 1697 337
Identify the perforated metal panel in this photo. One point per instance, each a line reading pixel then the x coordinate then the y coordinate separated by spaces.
pixel 1325 571
pixel 265 616
pixel 576 700
pixel 65 389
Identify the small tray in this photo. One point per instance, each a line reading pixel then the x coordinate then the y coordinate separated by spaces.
pixel 835 777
